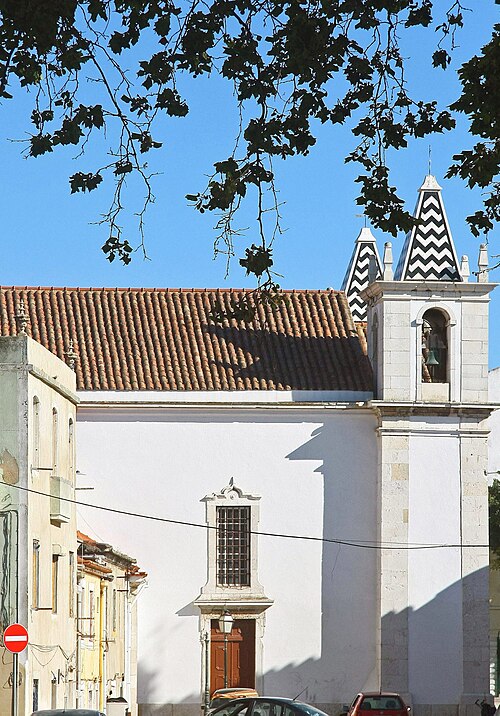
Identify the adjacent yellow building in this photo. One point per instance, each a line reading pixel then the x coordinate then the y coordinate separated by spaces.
pixel 108 585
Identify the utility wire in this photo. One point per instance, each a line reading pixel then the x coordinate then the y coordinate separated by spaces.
pixel 328 540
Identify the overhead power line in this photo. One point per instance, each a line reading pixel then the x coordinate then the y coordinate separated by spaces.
pixel 363 544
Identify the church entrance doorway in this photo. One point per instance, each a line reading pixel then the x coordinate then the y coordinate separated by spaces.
pixel 240 658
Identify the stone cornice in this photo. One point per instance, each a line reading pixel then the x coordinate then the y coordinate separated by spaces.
pixel 409 409
pixel 215 605
pixel 440 289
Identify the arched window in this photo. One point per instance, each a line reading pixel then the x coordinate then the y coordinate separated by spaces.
pixel 71 447
pixel 434 346
pixel 55 441
pixel 36 433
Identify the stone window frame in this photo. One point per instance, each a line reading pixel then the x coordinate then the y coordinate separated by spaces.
pixel 55 582
pixel 35 574
pixel 232 496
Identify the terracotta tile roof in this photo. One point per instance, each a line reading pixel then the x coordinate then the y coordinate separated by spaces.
pixel 87 543
pixel 162 339
pixel 82 537
pixel 94 566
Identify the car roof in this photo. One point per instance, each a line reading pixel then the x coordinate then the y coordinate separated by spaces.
pixel 281 699
pixel 301 705
pixel 378 693
pixel 67 712
pixel 233 688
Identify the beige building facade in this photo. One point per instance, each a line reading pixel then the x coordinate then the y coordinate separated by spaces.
pixel 77 599
pixel 38 543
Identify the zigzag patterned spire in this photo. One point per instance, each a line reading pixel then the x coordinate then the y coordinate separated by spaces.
pixel 357 277
pixel 428 253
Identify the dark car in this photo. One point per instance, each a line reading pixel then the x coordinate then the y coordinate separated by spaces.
pixel 378 703
pixel 266 706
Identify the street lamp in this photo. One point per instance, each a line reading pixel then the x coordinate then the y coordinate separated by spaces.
pixel 205 638
pixel 225 626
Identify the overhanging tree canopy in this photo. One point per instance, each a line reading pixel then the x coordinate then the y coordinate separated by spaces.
pixel 292 63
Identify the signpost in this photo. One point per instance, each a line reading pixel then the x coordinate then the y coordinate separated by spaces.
pixel 15 639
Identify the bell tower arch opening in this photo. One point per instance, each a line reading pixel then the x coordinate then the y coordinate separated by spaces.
pixel 435 364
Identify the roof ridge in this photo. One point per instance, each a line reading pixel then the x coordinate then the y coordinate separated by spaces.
pixel 160 289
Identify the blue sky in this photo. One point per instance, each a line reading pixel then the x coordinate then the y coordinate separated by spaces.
pixel 49 238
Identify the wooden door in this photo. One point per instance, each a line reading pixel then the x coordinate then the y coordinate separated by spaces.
pixel 240 655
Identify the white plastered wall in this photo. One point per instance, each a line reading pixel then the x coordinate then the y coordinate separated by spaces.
pixel 315 473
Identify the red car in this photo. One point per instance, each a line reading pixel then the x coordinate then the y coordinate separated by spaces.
pixel 378 703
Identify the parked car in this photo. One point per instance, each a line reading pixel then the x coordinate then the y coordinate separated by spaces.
pixel 67 712
pixel 378 703
pixel 265 706
pixel 221 696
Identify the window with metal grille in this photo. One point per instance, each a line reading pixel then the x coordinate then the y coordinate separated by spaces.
pixel 233 546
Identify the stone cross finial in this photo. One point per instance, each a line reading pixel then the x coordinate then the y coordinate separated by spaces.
pixel 464 268
pixel 71 355
pixel 482 264
pixel 388 273
pixel 22 318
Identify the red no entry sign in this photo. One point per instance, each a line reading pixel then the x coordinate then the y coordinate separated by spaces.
pixel 15 638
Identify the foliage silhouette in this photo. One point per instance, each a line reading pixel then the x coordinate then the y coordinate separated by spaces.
pixel 292 63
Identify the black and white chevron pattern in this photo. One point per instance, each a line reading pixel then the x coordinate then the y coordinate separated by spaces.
pixel 428 253
pixel 357 278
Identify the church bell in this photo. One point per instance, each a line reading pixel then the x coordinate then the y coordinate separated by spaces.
pixel 431 358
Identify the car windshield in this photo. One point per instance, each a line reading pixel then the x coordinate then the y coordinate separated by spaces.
pixel 262 707
pixel 233 707
pixel 219 701
pixel 381 703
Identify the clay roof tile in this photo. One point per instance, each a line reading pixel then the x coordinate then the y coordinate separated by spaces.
pixel 162 339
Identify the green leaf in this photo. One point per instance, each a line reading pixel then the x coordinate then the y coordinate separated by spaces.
pixel 258 260
pixel 420 15
pixel 115 247
pixel 441 58
pixel 84 182
pixel 171 101
pixel 123 167
pixel 40 144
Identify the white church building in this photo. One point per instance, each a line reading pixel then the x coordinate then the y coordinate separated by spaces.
pixel 317 473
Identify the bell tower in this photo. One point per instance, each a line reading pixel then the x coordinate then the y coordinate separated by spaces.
pixel 427 334
pixel 428 326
